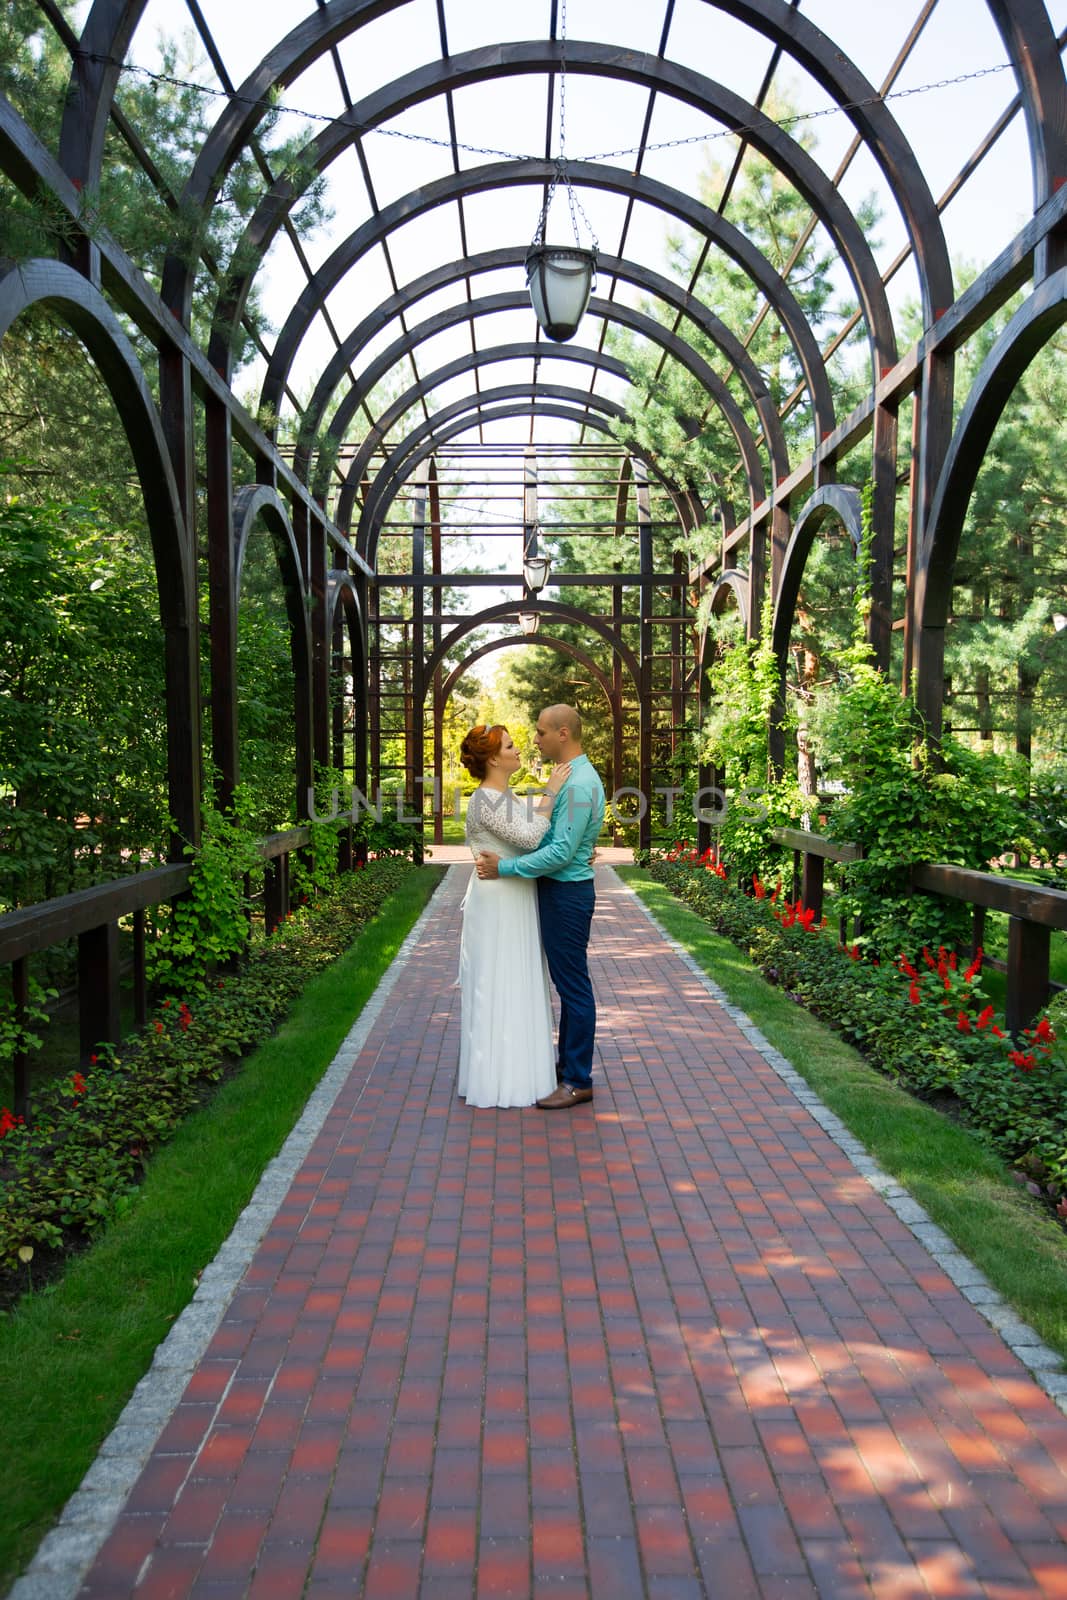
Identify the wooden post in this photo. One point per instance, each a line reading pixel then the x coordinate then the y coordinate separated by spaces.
pixel 140 983
pixel 98 988
pixel 20 1066
pixel 811 883
pixel 1028 952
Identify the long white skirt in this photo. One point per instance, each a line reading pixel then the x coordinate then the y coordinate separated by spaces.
pixel 506 1056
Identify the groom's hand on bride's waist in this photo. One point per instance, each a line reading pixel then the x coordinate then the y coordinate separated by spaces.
pixel 487 865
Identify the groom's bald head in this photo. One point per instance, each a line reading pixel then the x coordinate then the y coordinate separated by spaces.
pixel 559 733
pixel 565 717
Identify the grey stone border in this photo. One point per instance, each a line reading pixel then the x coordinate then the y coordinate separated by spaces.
pixel 1044 1364
pixel 66 1553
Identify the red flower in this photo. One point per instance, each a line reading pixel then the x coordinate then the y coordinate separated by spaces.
pixel 928 958
pixel 806 918
pixel 92 1061
pixel 964 1023
pixel 8 1122
pixel 975 967
pixel 1043 1031
pixel 906 967
pixel 913 992
pixel 952 961
pixel 985 1017
pixel 159 1026
pixel 997 1033
pixel 758 889
pixel 854 953
pixel 78 1083
pixel 1025 1061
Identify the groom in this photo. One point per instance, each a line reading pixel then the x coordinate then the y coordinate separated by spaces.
pixel 562 865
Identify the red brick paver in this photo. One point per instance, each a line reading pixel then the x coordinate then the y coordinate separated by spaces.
pixel 668 1344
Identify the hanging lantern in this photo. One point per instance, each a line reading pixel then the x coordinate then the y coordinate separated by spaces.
pixel 535 570
pixel 560 280
pixel 529 622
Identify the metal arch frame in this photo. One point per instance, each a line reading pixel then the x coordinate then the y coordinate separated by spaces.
pixel 74 300
pixel 1024 337
pixel 405 456
pixel 531 409
pixel 474 180
pixel 745 439
pixel 775 19
pixel 1027 33
pixel 492 355
pixel 511 642
pixel 250 502
pixel 491 305
pixel 832 500
pixel 548 608
pixel 540 56
pixel 343 600
pixel 653 283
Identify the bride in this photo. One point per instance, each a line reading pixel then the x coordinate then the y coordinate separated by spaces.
pixel 506 1054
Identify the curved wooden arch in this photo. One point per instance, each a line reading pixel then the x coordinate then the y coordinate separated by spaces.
pixel 663 77
pixel 538 407
pixel 832 500
pixel 249 502
pixel 746 443
pixel 776 19
pixel 74 300
pixel 562 645
pixel 598 359
pixel 655 332
pixel 399 465
pixel 474 180
pixel 257 500
pixel 547 608
pixel 1029 330
pixel 653 283
pixel 1035 56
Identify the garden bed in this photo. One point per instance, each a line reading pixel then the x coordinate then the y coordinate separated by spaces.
pixel 77 1165
pixel 926 1022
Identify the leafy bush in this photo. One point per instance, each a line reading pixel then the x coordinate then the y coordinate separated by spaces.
pixel 75 1166
pixel 902 807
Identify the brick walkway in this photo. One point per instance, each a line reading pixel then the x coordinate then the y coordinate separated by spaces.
pixel 670 1344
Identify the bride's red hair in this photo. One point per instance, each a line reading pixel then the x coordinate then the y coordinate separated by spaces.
pixel 479 747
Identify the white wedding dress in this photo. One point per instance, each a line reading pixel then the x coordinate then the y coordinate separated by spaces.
pixel 507 1055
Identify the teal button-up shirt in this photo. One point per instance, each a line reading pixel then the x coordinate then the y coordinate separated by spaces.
pixel 566 851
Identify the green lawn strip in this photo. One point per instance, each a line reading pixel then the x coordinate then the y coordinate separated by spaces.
pixel 71 1355
pixel 966 1189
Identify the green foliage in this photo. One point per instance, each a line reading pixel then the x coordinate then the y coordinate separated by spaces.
pixel 82 724
pixel 75 1166
pixel 17 1035
pixel 208 925
pixel 902 807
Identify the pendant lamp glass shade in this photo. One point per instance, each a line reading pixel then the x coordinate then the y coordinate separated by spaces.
pixel 535 570
pixel 560 280
pixel 529 622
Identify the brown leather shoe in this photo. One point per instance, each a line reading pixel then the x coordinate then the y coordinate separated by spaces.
pixel 564 1097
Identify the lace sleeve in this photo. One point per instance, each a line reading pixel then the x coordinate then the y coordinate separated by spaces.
pixel 509 817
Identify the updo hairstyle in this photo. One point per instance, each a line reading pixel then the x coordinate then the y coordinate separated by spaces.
pixel 479 747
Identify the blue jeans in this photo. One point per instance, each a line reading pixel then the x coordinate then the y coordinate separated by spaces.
pixel 566 912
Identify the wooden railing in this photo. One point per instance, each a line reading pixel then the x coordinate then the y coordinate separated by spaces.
pixel 1033 913
pixel 92 916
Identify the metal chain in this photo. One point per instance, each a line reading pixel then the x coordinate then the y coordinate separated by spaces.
pixel 516 155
